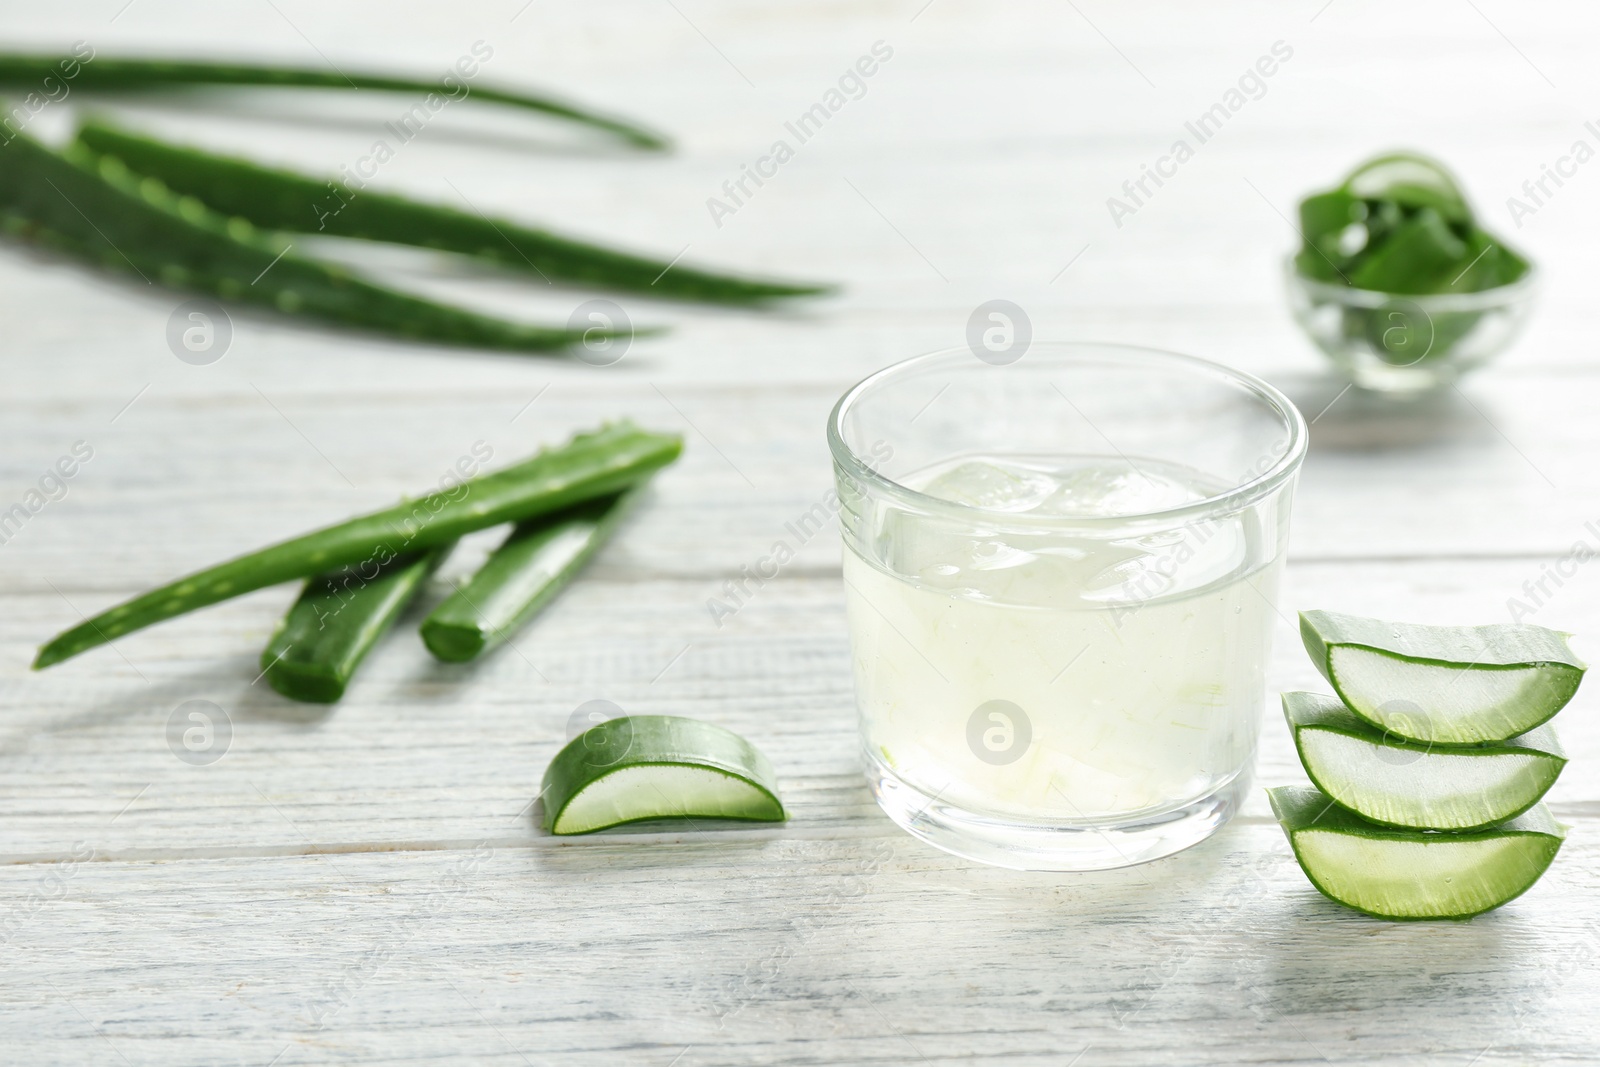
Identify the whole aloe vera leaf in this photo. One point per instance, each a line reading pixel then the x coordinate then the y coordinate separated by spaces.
pixel 26 71
pixel 282 200
pixel 591 465
pixel 93 208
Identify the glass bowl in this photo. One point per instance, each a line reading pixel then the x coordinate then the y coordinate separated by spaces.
pixel 1400 344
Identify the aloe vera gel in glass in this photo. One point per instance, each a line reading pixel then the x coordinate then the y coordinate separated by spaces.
pixel 1061 575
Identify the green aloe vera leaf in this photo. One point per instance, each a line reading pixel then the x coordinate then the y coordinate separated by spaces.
pixel 1402 874
pixel 534 563
pixel 1420 256
pixel 1324 221
pixel 1453 685
pixel 276 199
pixel 108 74
pixel 338 619
pixel 1401 224
pixel 595 464
pixel 1413 182
pixel 1402 783
pixel 1489 264
pixel 95 209
pixel 655 767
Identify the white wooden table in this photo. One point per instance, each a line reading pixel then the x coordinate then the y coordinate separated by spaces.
pixel 365 885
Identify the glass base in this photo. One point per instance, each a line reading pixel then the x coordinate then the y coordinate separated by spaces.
pixel 1025 846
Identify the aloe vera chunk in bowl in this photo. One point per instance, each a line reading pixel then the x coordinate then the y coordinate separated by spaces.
pixel 641 767
pixel 1424 787
pixel 1396 873
pixel 1450 685
pixel 1398 283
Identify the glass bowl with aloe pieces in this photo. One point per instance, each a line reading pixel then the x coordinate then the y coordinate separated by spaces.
pixel 1398 284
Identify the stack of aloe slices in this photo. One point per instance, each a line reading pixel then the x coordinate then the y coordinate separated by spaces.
pixel 225 227
pixel 1429 767
pixel 361 574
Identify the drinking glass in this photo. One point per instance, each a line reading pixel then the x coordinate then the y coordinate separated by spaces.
pixel 1061 573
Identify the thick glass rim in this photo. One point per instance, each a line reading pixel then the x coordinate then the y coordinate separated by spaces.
pixel 1235 499
pixel 1480 300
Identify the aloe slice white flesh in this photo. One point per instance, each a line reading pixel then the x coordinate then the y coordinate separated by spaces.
pixel 654 767
pixel 1422 787
pixel 1413 874
pixel 1453 685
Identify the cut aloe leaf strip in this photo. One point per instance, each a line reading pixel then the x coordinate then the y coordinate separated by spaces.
pixel 338 619
pixel 1423 787
pixel 534 563
pixel 1453 685
pixel 1413 874
pixel 641 767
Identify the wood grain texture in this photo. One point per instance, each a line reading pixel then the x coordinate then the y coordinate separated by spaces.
pixel 366 884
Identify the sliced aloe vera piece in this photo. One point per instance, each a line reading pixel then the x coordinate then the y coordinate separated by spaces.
pixel 1451 685
pixel 1421 787
pixel 655 767
pixel 519 578
pixel 1413 874
pixel 1412 181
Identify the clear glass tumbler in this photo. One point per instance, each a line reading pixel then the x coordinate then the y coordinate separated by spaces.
pixel 1061 576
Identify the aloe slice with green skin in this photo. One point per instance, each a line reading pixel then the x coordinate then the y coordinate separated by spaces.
pixel 338 619
pixel 1413 874
pixel 655 767
pixel 1411 181
pixel 1401 783
pixel 520 577
pixel 1450 685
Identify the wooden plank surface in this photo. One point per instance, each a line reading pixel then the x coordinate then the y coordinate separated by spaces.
pixel 365 884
